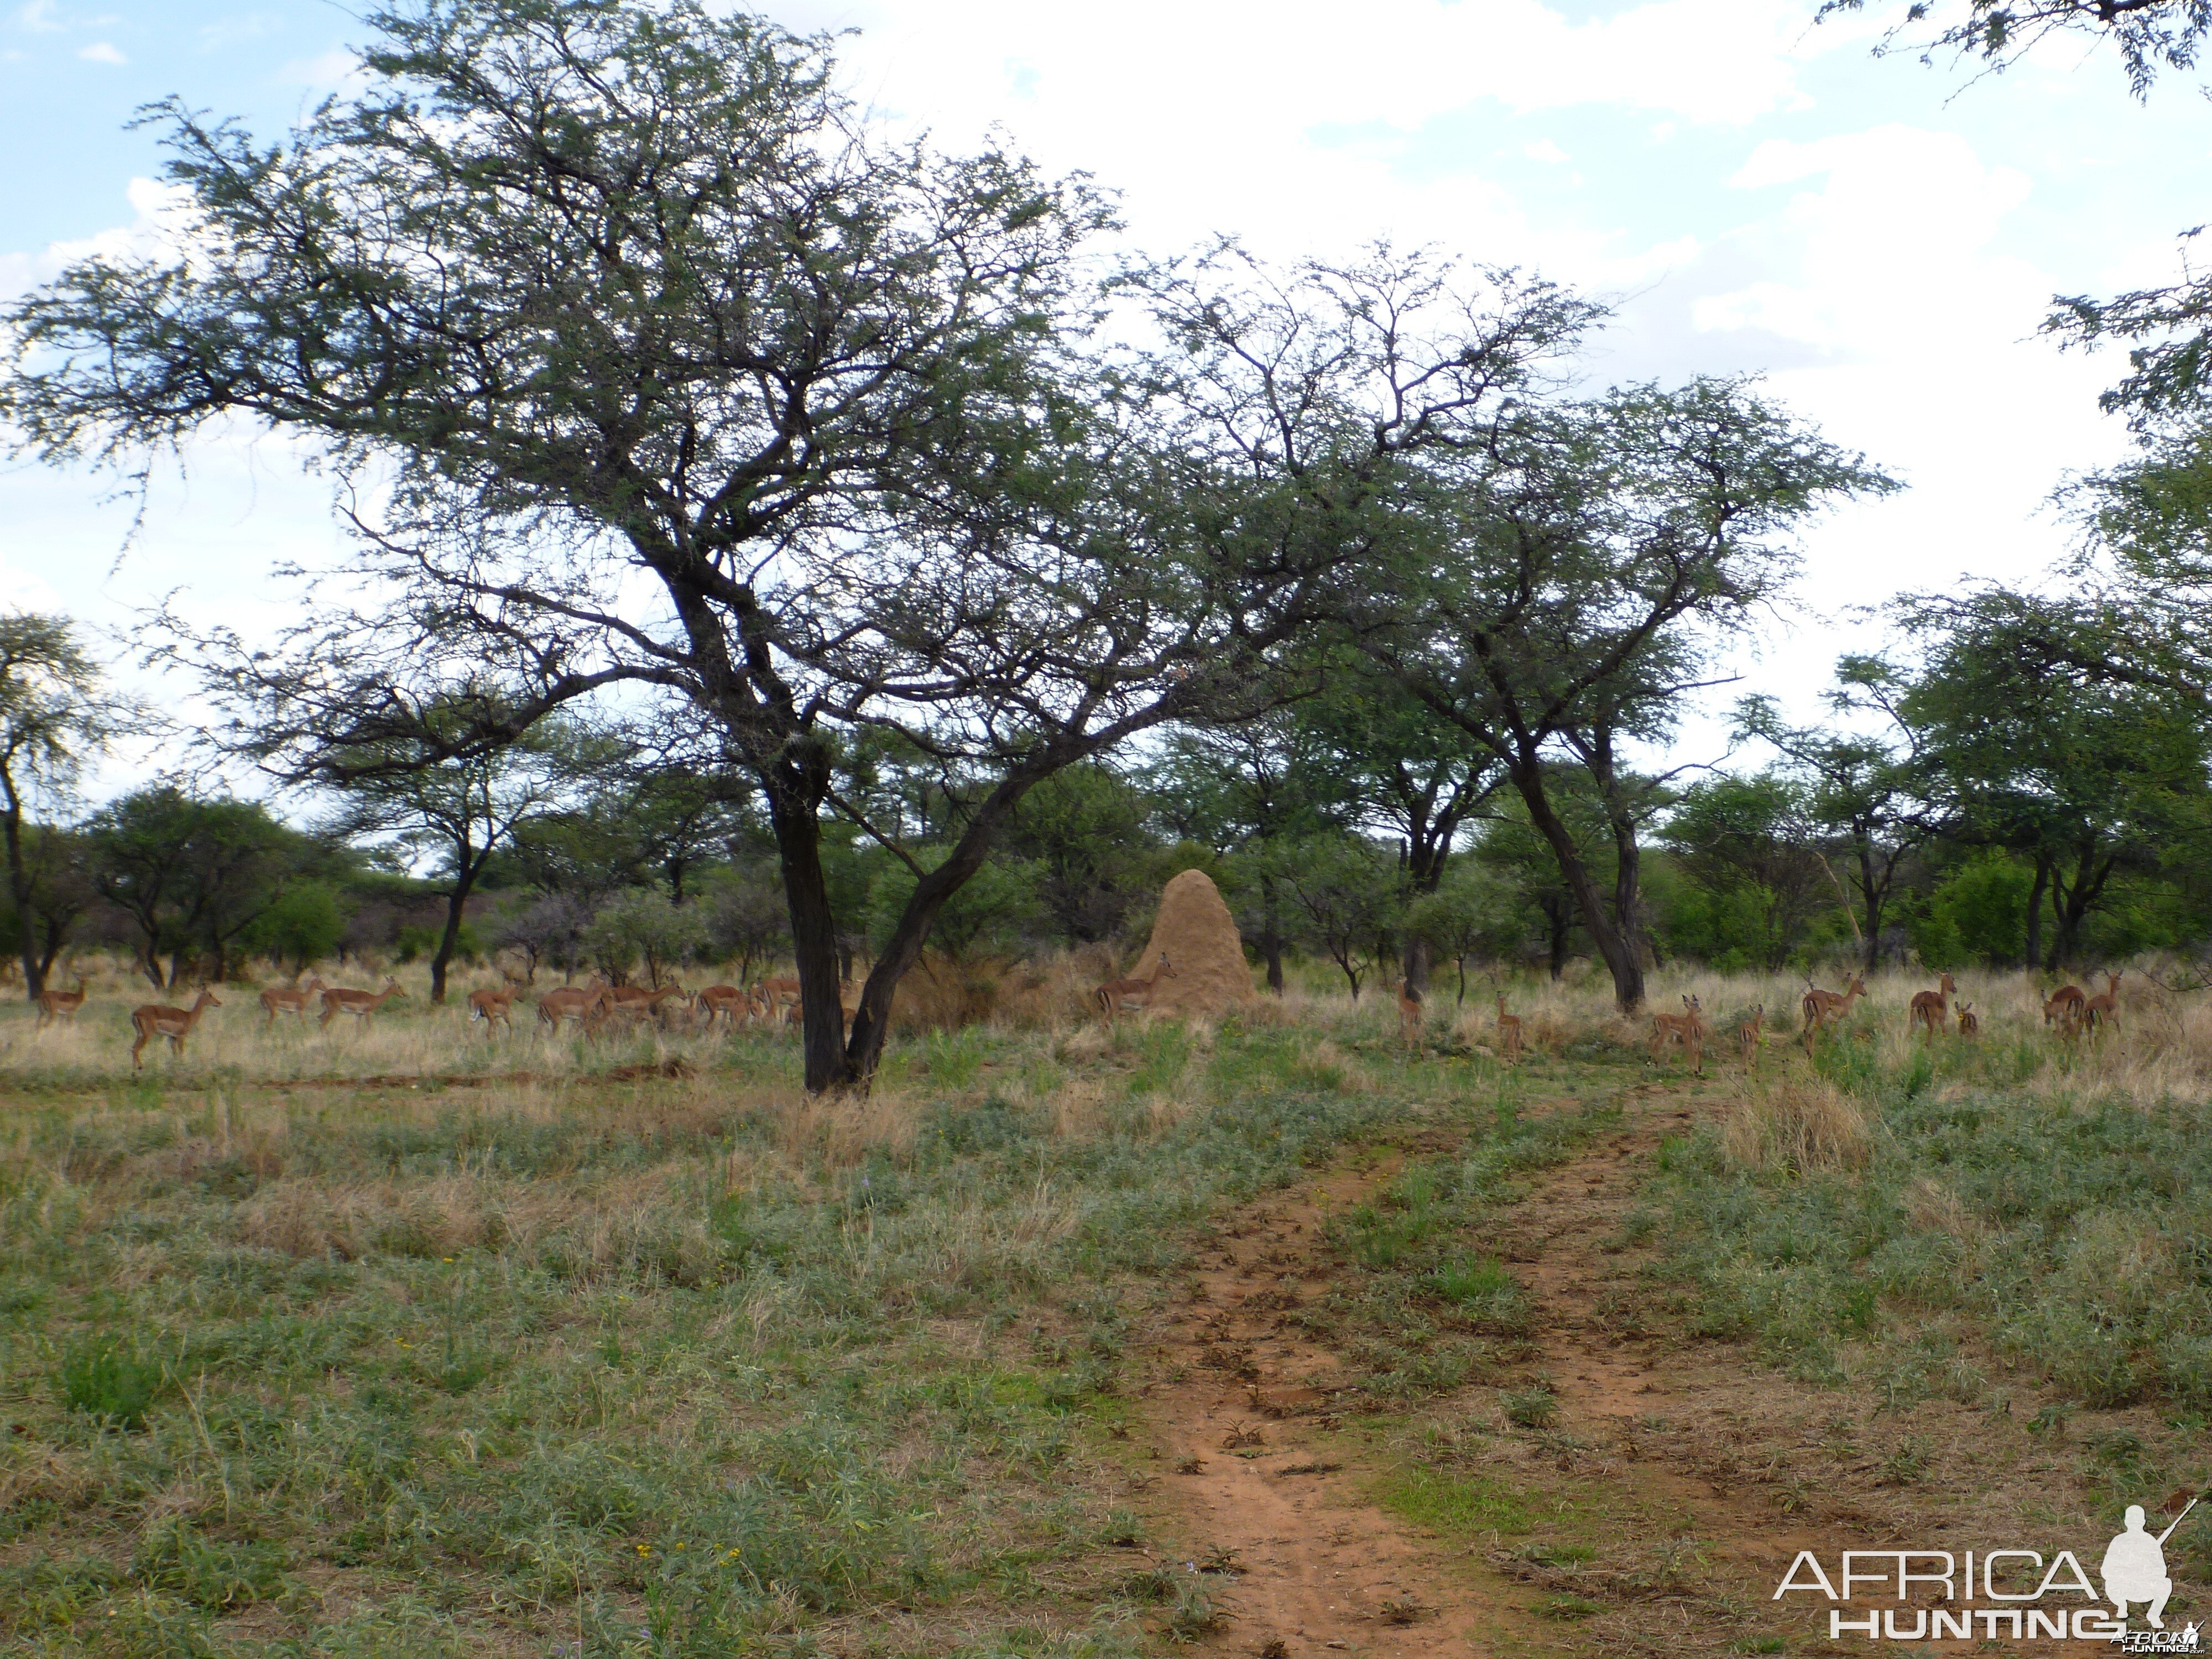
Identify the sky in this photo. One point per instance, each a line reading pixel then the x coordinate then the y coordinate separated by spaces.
pixel 1753 193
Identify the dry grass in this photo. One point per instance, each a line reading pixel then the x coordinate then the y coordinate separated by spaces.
pixel 2162 1049
pixel 1804 1125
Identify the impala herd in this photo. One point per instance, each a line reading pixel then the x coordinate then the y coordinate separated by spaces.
pixel 590 1007
pixel 594 1005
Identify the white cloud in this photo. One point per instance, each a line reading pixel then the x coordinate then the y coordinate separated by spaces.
pixel 38 16
pixel 101 52
pixel 1543 149
pixel 159 226
pixel 335 71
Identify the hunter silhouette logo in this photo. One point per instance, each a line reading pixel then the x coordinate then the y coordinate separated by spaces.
pixel 2030 1599
pixel 2134 1568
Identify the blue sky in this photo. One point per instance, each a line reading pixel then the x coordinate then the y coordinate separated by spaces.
pixel 1757 193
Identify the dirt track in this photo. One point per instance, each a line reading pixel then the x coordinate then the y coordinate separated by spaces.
pixel 1686 1475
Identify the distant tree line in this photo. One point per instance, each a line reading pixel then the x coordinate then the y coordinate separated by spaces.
pixel 777 539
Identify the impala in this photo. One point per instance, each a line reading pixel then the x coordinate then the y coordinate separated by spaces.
pixel 294 1001
pixel 634 1002
pixel 493 1007
pixel 848 1004
pixel 2065 1005
pixel 1116 994
pixel 1929 1008
pixel 775 994
pixel 175 1024
pixel 1686 1028
pixel 578 1003
pixel 1828 1007
pixel 60 1004
pixel 2104 1007
pixel 1751 1034
pixel 1970 1024
pixel 1409 1013
pixel 360 1004
pixel 723 1000
pixel 1508 1030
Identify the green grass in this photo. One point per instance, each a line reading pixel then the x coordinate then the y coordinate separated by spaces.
pixel 2069 1232
pixel 1459 1506
pixel 649 1367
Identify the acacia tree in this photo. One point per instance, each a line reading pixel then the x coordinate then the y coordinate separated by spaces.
pixel 2152 35
pixel 1750 845
pixel 1388 764
pixel 53 715
pixel 1866 785
pixel 1247 790
pixel 462 805
pixel 195 876
pixel 2037 744
pixel 654 369
pixel 1521 561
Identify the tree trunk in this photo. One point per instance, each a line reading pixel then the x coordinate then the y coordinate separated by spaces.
pixel 2079 899
pixel 1558 918
pixel 19 888
pixel 467 870
pixel 2033 953
pixel 1628 892
pixel 1621 960
pixel 871 1019
pixel 793 813
pixel 1417 962
pixel 1271 933
pixel 1870 950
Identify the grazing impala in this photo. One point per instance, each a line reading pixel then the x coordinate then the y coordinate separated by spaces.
pixel 360 1004
pixel 175 1024
pixel 2065 1005
pixel 1508 1030
pixel 1686 1028
pixel 1116 995
pixel 2103 1008
pixel 295 1001
pixel 1824 1008
pixel 634 1002
pixel 60 1004
pixel 493 1008
pixel 1931 1008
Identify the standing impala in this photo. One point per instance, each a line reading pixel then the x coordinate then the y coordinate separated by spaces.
pixel 360 1004
pixel 295 1001
pixel 1824 1008
pixel 60 1004
pixel 1932 1008
pixel 1116 995
pixel 725 1002
pixel 493 1008
pixel 175 1024
pixel 1508 1030
pixel 1686 1028
pixel 1751 1033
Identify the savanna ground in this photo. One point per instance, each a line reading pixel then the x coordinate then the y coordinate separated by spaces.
pixel 1262 1337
